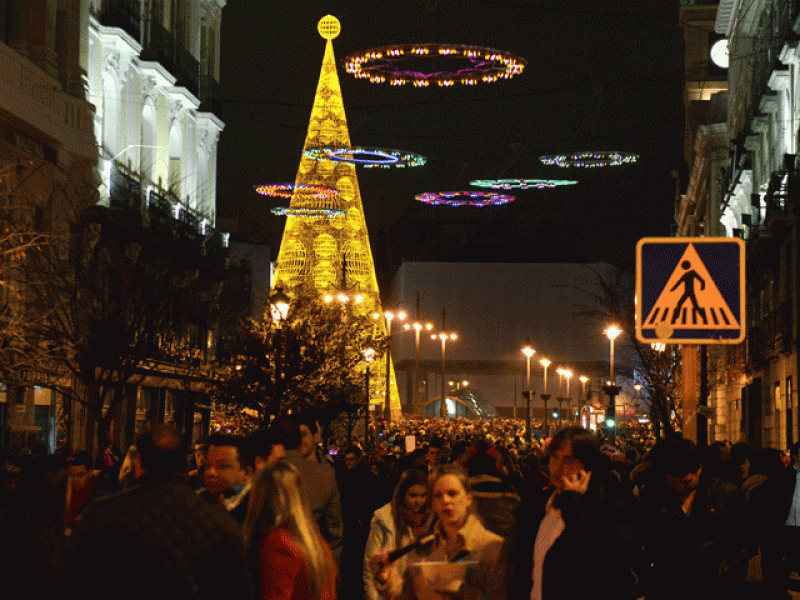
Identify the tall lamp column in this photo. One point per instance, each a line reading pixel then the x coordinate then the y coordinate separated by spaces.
pixel 611 388
pixel 545 396
pixel 369 356
pixel 387 405
pixel 528 352
pixel 443 337
pixel 417 328
pixel 584 400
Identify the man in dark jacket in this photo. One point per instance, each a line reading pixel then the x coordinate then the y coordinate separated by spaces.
pixel 157 540
pixel 691 530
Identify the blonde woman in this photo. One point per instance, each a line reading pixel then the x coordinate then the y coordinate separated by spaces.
pixel 406 518
pixel 459 537
pixel 288 557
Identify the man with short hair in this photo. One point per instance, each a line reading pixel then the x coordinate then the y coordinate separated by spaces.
pixel 83 486
pixel 225 474
pixel 692 524
pixel 319 480
pixel 261 449
pixel 158 539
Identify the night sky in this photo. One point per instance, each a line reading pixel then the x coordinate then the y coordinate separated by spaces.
pixel 600 75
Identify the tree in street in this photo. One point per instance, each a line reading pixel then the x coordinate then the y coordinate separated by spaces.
pixel 311 362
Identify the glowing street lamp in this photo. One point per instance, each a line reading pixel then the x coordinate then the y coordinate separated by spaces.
pixel 417 327
pixel 611 388
pixel 528 352
pixel 389 316
pixel 567 376
pixel 545 396
pixel 443 336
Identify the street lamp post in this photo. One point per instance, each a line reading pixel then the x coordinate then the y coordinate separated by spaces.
pixel 567 376
pixel 369 356
pixel 417 326
pixel 528 352
pixel 279 310
pixel 389 316
pixel 545 396
pixel 611 388
pixel 443 337
pixel 584 400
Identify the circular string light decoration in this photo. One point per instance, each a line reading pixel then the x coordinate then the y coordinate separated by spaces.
pixel 387 64
pixel 521 184
pixel 366 156
pixel 307 212
pixel 464 198
pixel 590 159
pixel 287 190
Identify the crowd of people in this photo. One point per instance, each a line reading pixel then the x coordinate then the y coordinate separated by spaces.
pixel 420 510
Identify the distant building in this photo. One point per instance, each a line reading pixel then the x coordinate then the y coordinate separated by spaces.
pixel 495 308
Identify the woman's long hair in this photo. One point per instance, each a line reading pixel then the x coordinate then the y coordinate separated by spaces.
pixel 407 480
pixel 278 499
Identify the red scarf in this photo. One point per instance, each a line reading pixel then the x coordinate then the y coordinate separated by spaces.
pixel 414 520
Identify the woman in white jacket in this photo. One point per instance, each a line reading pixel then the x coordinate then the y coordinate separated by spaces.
pixel 399 523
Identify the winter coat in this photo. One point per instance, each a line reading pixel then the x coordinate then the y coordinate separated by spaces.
pixel 159 539
pixel 485 580
pixel 382 535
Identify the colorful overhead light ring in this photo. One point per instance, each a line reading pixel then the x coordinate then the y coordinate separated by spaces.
pixel 287 190
pixel 521 184
pixel 590 159
pixel 464 198
pixel 307 212
pixel 366 156
pixel 486 65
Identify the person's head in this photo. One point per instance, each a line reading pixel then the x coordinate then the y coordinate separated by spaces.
pixel 308 433
pixel 287 432
pixel 741 458
pixel 278 498
pixel 451 497
pixel 572 450
pixel 411 493
pixel 460 452
pixel 127 472
pixel 80 468
pixel 352 456
pixel 435 452
pixel 200 449
pixel 224 464
pixel 160 452
pixel 680 462
pixel 794 452
pixel 482 464
pixel 261 449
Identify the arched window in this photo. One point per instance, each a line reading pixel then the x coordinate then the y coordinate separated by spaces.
pixel 147 155
pixel 175 153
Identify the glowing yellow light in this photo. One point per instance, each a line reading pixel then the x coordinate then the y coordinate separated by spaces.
pixel 329 27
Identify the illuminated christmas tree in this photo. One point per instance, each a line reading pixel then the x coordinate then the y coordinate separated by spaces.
pixel 330 254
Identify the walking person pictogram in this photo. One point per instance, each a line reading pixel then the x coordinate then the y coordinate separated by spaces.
pixel 688 279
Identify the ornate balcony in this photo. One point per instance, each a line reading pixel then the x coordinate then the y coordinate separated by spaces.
pixel 161 46
pixel 125 15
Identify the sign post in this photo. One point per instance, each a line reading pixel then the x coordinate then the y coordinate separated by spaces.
pixel 690 291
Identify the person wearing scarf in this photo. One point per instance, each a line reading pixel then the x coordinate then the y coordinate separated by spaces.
pixel 406 518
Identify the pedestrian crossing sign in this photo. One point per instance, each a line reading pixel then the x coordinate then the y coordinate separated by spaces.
pixel 690 290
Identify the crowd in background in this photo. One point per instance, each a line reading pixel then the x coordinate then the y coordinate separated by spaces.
pixel 287 512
